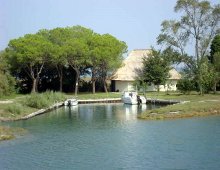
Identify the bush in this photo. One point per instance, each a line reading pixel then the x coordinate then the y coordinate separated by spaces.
pixel 37 101
pixel 43 100
pixel 53 96
pixel 7 84
pixel 186 86
pixel 15 108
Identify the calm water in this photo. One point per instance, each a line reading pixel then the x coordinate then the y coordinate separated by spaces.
pixel 108 136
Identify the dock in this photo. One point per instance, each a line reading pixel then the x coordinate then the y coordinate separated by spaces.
pixel 109 100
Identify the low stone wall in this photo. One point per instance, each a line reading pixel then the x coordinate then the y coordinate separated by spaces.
pixel 162 101
pixel 109 100
pixel 41 111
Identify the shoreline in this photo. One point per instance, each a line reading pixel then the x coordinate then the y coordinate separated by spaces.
pixel 178 115
pixel 173 110
pixel 162 113
pixel 58 105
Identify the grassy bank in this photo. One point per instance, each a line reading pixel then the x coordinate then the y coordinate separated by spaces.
pixel 196 105
pixel 17 106
pixel 22 105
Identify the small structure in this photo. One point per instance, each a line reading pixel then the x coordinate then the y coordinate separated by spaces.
pixel 123 79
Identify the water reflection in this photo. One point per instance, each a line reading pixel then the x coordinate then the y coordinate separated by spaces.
pixel 91 112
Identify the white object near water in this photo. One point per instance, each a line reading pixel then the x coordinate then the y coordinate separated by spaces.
pixel 133 98
pixel 71 102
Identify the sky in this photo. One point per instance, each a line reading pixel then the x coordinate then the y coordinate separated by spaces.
pixel 137 22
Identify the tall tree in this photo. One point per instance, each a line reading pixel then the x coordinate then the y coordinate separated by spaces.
pixel 215 59
pixel 106 55
pixel 76 49
pixel 199 24
pixel 58 37
pixel 29 53
pixel 215 47
pixel 7 82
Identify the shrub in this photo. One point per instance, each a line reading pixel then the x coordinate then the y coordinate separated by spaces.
pixel 37 101
pixel 43 100
pixel 53 96
pixel 15 108
pixel 7 84
pixel 186 85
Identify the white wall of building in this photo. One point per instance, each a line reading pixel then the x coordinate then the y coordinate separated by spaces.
pixel 128 86
pixel 124 86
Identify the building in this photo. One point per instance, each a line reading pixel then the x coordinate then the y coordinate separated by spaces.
pixel 123 79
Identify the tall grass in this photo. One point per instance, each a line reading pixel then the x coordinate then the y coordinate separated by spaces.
pixel 15 108
pixel 43 100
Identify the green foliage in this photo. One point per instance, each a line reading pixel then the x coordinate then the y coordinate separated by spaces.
pixel 43 100
pixel 29 53
pixel 198 25
pixel 37 101
pixel 15 108
pixel 54 96
pixel 74 47
pixel 215 47
pixel 206 76
pixel 156 68
pixel 105 56
pixel 7 82
pixel 7 85
pixel 186 86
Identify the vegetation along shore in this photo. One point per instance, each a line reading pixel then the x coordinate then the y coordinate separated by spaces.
pixel 18 106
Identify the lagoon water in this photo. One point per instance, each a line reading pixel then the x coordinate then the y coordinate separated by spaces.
pixel 109 136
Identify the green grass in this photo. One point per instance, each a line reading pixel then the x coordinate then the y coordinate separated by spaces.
pixel 197 105
pixel 25 104
pixel 179 96
pixel 43 100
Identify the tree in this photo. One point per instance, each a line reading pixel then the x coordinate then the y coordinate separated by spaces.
pixel 106 55
pixel 156 68
pixel 215 47
pixel 7 82
pixel 215 59
pixel 57 37
pixel 29 53
pixel 76 49
pixel 199 24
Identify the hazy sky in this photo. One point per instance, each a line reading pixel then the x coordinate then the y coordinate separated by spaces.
pixel 137 22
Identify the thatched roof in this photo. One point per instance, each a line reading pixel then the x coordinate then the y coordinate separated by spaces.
pixel 132 63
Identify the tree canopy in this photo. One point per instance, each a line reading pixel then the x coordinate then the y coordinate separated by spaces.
pixel 76 47
pixel 7 82
pixel 156 68
pixel 198 25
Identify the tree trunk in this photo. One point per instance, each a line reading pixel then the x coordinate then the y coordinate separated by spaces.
pixel 77 78
pixel 34 84
pixel 105 85
pixel 61 80
pixel 93 86
pixel 93 80
pixel 214 88
pixel 77 83
pixel 158 88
